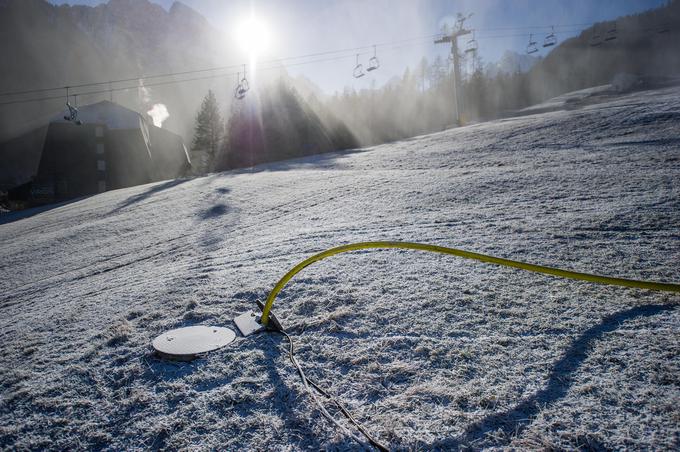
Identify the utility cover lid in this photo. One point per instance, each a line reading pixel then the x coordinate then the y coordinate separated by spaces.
pixel 248 323
pixel 185 343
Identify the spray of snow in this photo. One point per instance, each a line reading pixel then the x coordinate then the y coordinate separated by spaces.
pixel 158 113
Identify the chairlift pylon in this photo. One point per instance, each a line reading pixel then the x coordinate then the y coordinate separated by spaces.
pixel 550 40
pixel 532 47
pixel 472 45
pixel 373 63
pixel 358 71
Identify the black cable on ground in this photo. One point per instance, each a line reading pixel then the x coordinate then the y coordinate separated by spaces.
pixel 308 382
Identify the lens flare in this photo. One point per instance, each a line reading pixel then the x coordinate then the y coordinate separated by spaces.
pixel 252 36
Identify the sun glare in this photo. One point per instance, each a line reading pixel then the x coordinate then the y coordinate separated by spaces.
pixel 252 36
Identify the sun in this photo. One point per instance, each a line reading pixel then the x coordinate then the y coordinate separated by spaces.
pixel 253 36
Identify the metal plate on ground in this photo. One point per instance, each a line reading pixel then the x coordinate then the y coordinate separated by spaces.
pixel 248 323
pixel 185 343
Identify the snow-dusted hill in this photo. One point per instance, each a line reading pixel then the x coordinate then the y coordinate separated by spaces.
pixel 429 351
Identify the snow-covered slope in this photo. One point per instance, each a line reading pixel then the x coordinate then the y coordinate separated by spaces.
pixel 429 351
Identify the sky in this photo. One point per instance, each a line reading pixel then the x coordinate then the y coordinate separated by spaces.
pixel 299 27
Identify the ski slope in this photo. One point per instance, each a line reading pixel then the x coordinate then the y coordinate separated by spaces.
pixel 428 351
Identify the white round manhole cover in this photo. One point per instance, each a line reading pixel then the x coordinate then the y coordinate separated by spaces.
pixel 185 343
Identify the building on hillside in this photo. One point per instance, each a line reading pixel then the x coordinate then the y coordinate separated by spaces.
pixel 115 147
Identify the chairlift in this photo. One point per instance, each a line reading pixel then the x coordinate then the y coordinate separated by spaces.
pixel 242 85
pixel 239 92
pixel 595 39
pixel 373 63
pixel 472 44
pixel 532 47
pixel 551 39
pixel 72 110
pixel 611 33
pixel 358 69
pixel 244 81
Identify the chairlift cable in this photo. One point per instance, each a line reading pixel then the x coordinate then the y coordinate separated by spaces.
pixel 171 82
pixel 219 75
pixel 533 27
pixel 278 60
pixel 222 68
pixel 401 44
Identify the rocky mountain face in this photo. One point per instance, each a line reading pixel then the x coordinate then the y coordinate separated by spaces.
pixel 46 46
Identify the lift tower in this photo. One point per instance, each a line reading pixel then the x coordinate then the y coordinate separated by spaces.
pixel 459 30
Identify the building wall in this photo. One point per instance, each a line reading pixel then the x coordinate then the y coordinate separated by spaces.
pixel 68 165
pixel 128 158
pixel 79 160
pixel 89 159
pixel 170 157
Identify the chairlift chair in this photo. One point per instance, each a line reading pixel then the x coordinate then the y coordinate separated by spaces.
pixel 240 91
pixel 242 85
pixel 472 44
pixel 245 86
pixel 72 115
pixel 532 47
pixel 244 81
pixel 595 39
pixel 551 39
pixel 611 33
pixel 72 110
pixel 358 69
pixel 373 63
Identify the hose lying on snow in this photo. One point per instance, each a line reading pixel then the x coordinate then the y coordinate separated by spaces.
pixel 665 287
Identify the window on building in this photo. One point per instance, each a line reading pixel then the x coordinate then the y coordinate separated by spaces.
pixel 102 186
pixel 101 165
pixel 100 148
pixel 99 131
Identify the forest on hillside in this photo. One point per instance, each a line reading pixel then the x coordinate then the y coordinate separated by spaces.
pixel 280 122
pixel 422 100
pixel 286 117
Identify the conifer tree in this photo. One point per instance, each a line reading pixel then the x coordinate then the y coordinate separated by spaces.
pixel 209 128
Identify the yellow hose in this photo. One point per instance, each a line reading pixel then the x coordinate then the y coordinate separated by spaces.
pixel 665 287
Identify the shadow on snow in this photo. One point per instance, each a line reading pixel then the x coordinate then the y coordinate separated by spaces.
pixel 513 421
pixel 149 192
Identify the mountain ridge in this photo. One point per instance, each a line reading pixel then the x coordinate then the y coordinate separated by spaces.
pixel 54 45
